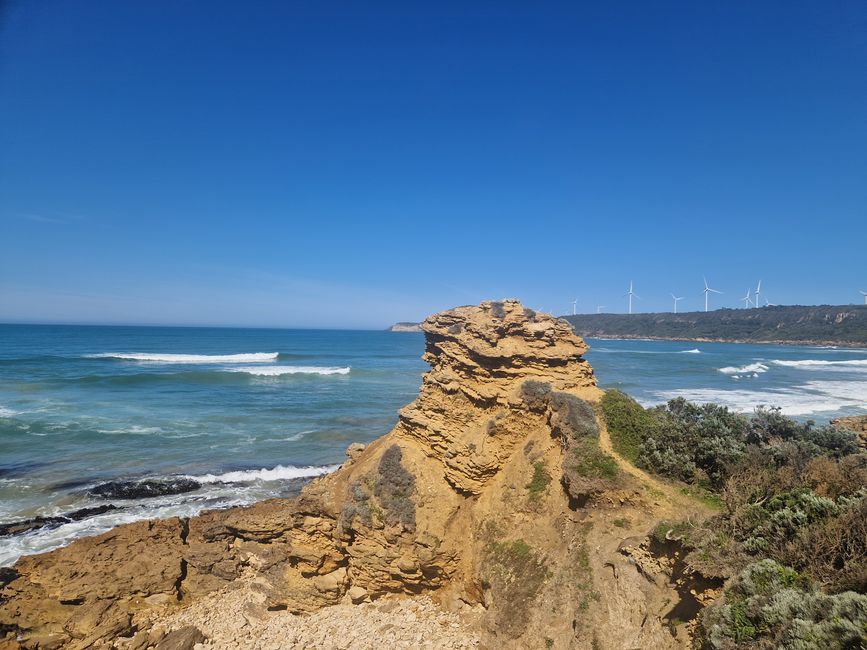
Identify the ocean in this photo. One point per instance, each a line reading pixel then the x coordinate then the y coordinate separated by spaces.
pixel 246 414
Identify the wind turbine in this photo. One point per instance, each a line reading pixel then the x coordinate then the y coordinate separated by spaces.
pixel 599 308
pixel 864 293
pixel 631 293
pixel 708 290
pixel 746 299
pixel 758 289
pixel 574 306
pixel 768 303
pixel 675 301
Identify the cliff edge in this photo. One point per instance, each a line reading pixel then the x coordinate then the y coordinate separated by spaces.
pixel 491 494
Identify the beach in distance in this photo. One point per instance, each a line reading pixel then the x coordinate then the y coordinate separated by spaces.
pixel 247 414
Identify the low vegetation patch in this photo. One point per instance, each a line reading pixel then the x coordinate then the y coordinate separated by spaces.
pixel 701 444
pixel 792 529
pixel 383 497
pixel 393 488
pixel 572 417
pixel 772 606
pixel 538 484
pixel 514 572
pixel 587 470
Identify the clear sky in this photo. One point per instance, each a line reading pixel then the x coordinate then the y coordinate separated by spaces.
pixel 350 164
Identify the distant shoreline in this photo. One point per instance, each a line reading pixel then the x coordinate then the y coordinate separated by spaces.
pixel 806 344
pixel 830 325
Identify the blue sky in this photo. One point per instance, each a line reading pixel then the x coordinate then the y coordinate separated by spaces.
pixel 352 164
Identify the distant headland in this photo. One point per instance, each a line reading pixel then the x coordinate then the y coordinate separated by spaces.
pixel 796 324
pixel 405 327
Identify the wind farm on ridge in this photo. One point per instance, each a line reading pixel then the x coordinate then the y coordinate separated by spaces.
pixel 750 300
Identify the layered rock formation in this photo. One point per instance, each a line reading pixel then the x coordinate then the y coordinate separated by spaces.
pixel 467 498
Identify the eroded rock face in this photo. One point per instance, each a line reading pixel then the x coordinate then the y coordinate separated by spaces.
pixel 856 423
pixel 468 414
pixel 454 501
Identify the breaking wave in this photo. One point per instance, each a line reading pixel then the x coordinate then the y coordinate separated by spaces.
pixel 250 357
pixel 279 473
pixel 822 364
pixel 751 367
pixel 276 371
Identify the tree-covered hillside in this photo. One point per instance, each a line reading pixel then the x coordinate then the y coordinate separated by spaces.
pixel 824 324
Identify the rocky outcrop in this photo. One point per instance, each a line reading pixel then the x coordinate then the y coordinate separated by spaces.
pixel 467 498
pixel 856 423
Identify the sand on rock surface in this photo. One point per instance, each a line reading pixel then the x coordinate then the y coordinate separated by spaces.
pixel 236 618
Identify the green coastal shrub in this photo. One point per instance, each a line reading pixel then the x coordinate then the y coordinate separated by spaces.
pixel 772 606
pixel 824 538
pixel 538 484
pixel 769 425
pixel 704 443
pixel 629 424
pixel 694 442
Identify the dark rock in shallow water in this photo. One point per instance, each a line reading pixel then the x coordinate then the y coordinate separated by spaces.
pixel 26 525
pixel 7 575
pixel 144 489
pixel 83 513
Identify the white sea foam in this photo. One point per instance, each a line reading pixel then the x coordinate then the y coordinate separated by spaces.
pixel 749 368
pixel 857 365
pixel 276 371
pixel 217 495
pixel 135 429
pixel 251 357
pixel 693 351
pixel 800 400
pixel 7 413
pixel 293 438
pixel 853 392
pixel 279 473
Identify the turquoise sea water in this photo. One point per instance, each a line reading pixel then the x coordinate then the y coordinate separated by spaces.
pixel 246 411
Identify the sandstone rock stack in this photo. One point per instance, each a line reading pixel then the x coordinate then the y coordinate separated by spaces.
pixel 463 499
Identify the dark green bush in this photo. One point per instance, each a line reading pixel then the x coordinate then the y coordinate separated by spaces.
pixel 769 425
pixel 702 438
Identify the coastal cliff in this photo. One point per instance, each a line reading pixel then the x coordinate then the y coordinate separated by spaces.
pixel 495 493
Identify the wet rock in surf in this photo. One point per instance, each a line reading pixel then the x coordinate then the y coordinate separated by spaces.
pixel 26 525
pixel 144 489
